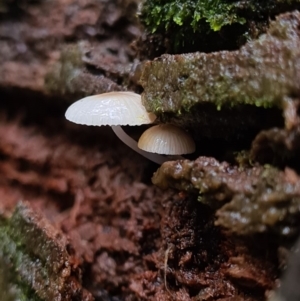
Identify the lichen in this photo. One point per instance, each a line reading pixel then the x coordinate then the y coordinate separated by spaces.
pixel 69 77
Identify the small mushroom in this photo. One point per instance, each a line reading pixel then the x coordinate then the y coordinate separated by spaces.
pixel 114 109
pixel 166 139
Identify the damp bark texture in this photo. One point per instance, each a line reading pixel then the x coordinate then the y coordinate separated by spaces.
pixel 248 200
pixel 103 231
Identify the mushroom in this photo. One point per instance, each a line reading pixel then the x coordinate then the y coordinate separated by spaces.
pixel 114 109
pixel 166 139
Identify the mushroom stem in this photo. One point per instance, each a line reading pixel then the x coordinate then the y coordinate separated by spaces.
pixel 159 159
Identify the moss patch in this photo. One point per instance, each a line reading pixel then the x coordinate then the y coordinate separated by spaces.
pixel 40 267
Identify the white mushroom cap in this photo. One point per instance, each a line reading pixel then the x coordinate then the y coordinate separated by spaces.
pixel 112 108
pixel 166 139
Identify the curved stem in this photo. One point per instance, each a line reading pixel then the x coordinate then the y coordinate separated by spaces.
pixel 159 159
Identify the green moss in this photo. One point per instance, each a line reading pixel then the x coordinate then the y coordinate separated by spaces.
pixel 184 22
pixel 159 14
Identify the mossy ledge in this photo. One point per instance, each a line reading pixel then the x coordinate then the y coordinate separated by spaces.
pixel 263 73
pixel 38 260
